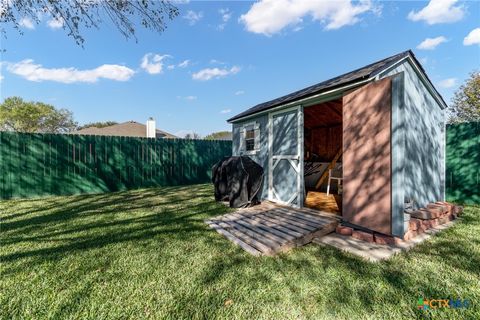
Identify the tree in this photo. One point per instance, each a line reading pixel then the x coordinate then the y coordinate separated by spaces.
pixel 465 104
pixel 192 135
pixel 100 124
pixel 151 14
pixel 23 116
pixel 220 135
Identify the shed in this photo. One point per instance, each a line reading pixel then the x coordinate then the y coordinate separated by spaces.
pixel 380 128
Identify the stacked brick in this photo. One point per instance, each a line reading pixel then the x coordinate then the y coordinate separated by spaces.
pixel 433 215
pixel 420 221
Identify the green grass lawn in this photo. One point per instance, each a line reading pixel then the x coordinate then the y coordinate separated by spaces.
pixel 148 254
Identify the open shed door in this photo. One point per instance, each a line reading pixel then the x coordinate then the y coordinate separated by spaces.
pixel 367 156
pixel 285 141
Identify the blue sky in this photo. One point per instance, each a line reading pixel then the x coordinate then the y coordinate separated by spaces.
pixel 218 58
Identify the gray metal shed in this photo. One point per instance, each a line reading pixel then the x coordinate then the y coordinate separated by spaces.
pixel 387 122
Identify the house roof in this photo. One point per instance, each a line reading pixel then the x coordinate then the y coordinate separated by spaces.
pixel 348 78
pixel 126 129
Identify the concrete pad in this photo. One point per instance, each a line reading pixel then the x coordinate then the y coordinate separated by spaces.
pixel 373 251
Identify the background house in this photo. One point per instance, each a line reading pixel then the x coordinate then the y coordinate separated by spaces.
pixel 128 129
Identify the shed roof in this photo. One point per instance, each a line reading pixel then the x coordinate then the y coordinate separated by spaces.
pixel 351 77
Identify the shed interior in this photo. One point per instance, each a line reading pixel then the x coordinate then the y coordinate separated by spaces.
pixel 323 135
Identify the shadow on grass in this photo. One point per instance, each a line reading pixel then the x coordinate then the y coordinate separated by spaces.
pixel 315 281
pixel 61 209
pixel 338 281
pixel 69 224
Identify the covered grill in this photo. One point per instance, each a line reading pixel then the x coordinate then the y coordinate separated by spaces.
pixel 237 180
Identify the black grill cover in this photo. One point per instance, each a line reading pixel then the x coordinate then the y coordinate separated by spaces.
pixel 237 180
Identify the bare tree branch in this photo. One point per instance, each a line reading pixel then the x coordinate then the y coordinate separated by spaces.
pixel 77 14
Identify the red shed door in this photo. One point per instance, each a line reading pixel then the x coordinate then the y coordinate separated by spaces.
pixel 366 156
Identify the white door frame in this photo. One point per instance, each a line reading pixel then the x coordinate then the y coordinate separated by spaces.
pixel 272 196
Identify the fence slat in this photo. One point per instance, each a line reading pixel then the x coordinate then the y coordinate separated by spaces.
pixel 462 163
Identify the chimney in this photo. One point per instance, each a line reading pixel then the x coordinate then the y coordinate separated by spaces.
pixel 151 129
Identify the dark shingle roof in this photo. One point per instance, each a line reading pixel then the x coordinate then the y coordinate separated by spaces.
pixel 342 80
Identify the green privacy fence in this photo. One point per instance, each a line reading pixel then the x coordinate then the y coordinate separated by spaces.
pixel 463 163
pixel 55 164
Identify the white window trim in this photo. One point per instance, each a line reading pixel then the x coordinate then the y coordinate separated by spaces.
pixel 243 143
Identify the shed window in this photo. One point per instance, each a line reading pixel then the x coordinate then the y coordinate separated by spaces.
pixel 250 138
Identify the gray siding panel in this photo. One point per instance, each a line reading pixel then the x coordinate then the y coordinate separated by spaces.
pixel 261 156
pixel 398 151
pixel 285 180
pixel 285 130
pixel 423 153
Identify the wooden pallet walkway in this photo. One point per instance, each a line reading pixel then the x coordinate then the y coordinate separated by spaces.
pixel 268 228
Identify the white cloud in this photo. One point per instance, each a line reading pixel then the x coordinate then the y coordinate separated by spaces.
pixel 189 98
pixel 193 17
pixel 56 23
pixel 271 16
pixel 438 11
pixel 184 64
pixel 224 111
pixel 215 61
pixel 214 73
pixel 1 78
pixel 226 14
pixel 35 72
pixel 448 83
pixel 239 92
pixel 153 63
pixel 472 38
pixel 297 28
pixel 27 23
pixel 171 67
pixel 431 43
